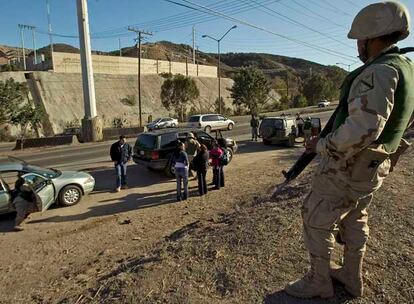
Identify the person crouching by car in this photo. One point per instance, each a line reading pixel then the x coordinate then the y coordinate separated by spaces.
pixel 181 164
pixel 121 153
pixel 218 174
pixel 200 163
pixel 25 201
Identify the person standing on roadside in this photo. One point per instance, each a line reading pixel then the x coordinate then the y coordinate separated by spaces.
pixel 300 122
pixel 25 201
pixel 375 108
pixel 254 124
pixel 307 130
pixel 201 165
pixel 181 164
pixel 121 153
pixel 218 174
pixel 192 145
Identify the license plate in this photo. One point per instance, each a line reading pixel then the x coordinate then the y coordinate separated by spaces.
pixel 141 153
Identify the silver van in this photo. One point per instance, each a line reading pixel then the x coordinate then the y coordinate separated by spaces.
pixel 210 122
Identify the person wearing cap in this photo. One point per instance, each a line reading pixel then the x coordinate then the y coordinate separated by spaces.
pixel 376 105
pixel 121 153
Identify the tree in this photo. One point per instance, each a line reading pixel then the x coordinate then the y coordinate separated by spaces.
pixel 12 95
pixel 176 92
pixel 299 101
pixel 316 88
pixel 16 108
pixel 28 115
pixel 225 110
pixel 250 89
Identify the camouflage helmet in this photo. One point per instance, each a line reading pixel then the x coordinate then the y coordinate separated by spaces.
pixel 380 19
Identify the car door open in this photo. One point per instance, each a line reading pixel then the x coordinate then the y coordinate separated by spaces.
pixel 43 187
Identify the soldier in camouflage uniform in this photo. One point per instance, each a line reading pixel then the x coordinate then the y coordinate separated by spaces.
pixel 377 104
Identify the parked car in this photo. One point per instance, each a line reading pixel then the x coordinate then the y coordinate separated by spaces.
pixel 153 149
pixel 64 187
pixel 278 130
pixel 160 123
pixel 323 103
pixel 210 122
pixel 283 130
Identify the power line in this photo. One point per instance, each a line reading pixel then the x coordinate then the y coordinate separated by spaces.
pixel 315 13
pixel 240 21
pixel 272 12
pixel 335 9
pixel 187 19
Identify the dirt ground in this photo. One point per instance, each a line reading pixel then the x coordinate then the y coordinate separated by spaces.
pixel 233 246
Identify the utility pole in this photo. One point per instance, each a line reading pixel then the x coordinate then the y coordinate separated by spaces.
pixel 140 34
pixel 50 31
pixel 120 49
pixel 34 44
pixel 287 83
pixel 22 44
pixel 91 124
pixel 193 44
pixel 218 65
pixel 23 27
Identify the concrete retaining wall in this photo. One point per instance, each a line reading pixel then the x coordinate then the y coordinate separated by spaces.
pixel 116 65
pixel 62 97
pixel 46 141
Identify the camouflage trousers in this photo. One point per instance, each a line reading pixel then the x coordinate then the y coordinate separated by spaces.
pixel 337 203
pixel 23 209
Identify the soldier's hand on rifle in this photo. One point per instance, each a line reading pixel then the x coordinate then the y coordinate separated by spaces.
pixel 311 144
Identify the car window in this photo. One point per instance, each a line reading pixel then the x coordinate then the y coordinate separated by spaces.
pixel 168 140
pixel 210 118
pixel 203 135
pixel 273 122
pixel 194 119
pixel 146 141
pixel 47 173
pixel 36 181
pixel 221 118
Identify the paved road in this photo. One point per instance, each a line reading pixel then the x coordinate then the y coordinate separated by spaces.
pixel 90 154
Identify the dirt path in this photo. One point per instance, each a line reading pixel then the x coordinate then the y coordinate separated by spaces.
pixel 140 246
pixel 65 250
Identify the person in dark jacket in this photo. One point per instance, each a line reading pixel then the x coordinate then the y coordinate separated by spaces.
pixel 121 153
pixel 181 164
pixel 254 124
pixel 201 165
pixel 25 201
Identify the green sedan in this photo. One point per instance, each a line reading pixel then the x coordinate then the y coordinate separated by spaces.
pixel 52 186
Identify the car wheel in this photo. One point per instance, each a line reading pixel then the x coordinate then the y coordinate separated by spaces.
pixel 173 125
pixel 169 169
pixel 207 129
pixel 70 195
pixel 231 154
pixel 230 126
pixel 266 142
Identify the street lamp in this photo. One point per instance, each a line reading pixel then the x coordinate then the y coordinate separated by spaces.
pixel 218 66
pixel 347 65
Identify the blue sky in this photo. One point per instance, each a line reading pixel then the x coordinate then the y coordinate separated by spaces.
pixel 321 23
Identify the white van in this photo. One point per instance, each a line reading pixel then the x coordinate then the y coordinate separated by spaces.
pixel 210 122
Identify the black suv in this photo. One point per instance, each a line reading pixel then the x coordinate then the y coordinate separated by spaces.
pixel 153 149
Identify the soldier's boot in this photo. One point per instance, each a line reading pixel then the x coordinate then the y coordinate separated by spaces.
pixel 350 274
pixel 316 283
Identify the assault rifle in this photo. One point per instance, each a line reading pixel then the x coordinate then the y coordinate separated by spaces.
pixel 305 159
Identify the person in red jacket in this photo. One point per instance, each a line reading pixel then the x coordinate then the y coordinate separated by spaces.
pixel 218 174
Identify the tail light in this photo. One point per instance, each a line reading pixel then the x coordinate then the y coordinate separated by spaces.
pixel 155 155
